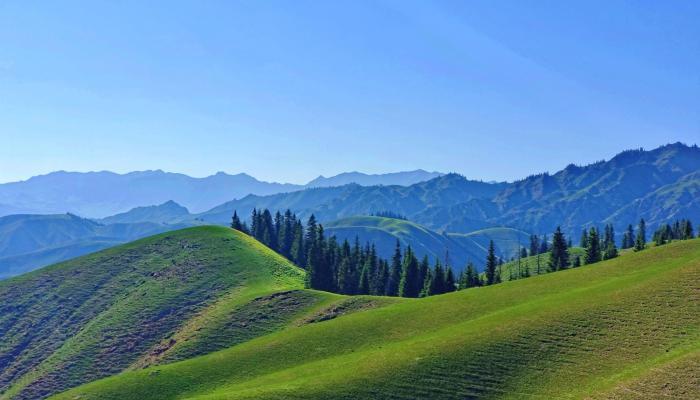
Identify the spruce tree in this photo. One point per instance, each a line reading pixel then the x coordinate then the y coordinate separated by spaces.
pixel 437 280
pixel 544 247
pixel 534 245
pixel 584 239
pixel 628 238
pixel 409 285
pixel 491 264
pixel 593 254
pixel 236 222
pixel 392 288
pixel 449 285
pixel 559 254
pixel 640 241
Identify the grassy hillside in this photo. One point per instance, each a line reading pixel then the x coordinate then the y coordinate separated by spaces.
pixel 534 265
pixel 384 232
pixel 164 298
pixel 624 328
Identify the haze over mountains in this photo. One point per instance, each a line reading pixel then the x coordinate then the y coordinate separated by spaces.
pixel 443 212
pixel 101 194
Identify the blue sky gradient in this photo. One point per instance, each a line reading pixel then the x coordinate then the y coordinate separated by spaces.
pixel 288 90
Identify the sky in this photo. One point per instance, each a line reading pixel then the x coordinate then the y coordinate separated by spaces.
pixel 289 90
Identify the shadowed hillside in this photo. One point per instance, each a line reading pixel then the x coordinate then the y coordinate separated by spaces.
pixel 164 298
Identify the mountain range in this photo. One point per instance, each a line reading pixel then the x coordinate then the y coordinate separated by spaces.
pixel 104 193
pixel 658 185
pixel 445 214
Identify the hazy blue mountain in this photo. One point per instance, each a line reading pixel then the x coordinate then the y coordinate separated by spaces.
pixel 164 213
pixel 32 241
pixel 395 178
pixel 659 185
pixel 101 194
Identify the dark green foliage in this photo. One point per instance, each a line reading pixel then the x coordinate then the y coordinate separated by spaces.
pixel 491 264
pixel 628 238
pixel 679 230
pixel 584 239
pixel 534 245
pixel 450 284
pixel 392 288
pixel 409 286
pixel 640 241
pixel 559 255
pixel 469 277
pixel 593 253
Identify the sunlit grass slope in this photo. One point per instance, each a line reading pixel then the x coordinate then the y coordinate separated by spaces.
pixel 624 328
pixel 168 297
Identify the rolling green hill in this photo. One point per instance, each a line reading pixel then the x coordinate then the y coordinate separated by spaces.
pixel 384 232
pixel 623 328
pixel 168 297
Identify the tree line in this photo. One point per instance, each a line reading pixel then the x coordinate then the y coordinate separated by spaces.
pixel 344 267
pixel 353 268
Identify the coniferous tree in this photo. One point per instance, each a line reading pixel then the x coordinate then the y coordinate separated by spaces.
pixel 392 288
pixel 584 239
pixel 640 241
pixel 409 286
pixel 450 284
pixel 534 245
pixel 544 247
pixel 437 280
pixel 593 254
pixel 343 278
pixel 491 264
pixel 236 222
pixel 382 277
pixel 298 249
pixel 424 270
pixel 363 286
pixel 559 254
pixel 471 277
pixel 628 238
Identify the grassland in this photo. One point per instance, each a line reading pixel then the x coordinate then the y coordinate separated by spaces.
pixel 169 297
pixel 623 328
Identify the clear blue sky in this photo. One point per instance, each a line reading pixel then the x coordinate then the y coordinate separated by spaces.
pixel 287 90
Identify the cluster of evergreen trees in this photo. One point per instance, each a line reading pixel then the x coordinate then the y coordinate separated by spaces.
pixel 679 230
pixel 598 247
pixel 342 267
pixel 355 269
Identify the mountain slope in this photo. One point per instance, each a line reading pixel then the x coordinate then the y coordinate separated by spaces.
pixel 589 332
pixel 415 201
pixel 166 297
pixel 31 241
pixel 163 213
pixel 405 178
pixel 632 185
pixel 461 248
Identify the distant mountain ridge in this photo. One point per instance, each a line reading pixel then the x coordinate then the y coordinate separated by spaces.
pixel 31 241
pixel 393 178
pixel 102 194
pixel 658 185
